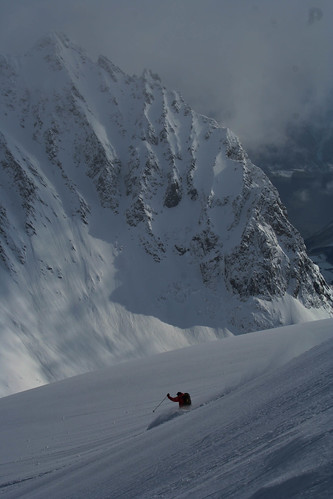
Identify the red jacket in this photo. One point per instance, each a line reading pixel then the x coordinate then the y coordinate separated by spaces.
pixel 178 399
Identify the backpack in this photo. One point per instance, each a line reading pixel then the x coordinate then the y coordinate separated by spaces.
pixel 187 399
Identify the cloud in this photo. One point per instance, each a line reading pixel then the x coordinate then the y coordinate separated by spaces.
pixel 254 65
pixel 315 14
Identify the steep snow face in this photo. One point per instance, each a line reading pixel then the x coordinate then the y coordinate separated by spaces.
pixel 129 224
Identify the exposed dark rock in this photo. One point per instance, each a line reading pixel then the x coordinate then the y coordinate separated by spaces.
pixel 173 195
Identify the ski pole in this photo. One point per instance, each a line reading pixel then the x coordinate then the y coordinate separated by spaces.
pixel 160 403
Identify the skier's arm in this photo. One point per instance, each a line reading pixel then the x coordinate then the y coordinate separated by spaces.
pixel 174 399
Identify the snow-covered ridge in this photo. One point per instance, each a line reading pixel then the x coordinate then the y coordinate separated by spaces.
pixel 129 223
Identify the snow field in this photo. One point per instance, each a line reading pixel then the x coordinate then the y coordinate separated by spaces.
pixel 260 424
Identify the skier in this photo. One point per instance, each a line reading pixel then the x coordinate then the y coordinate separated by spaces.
pixel 183 399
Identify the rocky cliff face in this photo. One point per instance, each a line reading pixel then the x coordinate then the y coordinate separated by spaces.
pixel 129 223
pixel 320 248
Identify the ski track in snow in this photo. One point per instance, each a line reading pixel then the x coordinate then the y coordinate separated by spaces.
pixel 260 425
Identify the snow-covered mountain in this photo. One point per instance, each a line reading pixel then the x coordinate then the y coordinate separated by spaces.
pixel 130 224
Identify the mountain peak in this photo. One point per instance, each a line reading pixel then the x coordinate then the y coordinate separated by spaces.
pixel 55 41
pixel 124 211
pixel 149 76
pixel 57 51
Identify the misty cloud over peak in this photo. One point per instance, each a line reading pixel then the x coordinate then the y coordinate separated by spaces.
pixel 255 65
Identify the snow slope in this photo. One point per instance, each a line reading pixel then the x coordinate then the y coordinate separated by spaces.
pixel 260 425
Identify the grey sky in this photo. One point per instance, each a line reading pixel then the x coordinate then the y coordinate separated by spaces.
pixel 252 64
